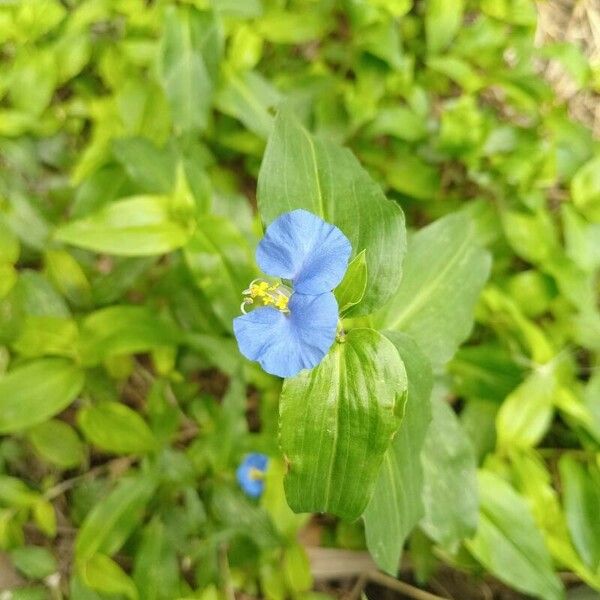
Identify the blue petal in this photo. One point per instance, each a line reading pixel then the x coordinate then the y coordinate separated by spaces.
pixel 284 344
pixel 252 486
pixel 256 460
pixel 302 247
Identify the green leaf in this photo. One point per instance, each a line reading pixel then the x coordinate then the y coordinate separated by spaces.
pixel 8 278
pixel 274 502
pixel 34 392
pixel 68 277
pixel 36 296
pixel 57 442
pixel 585 189
pixel 46 335
pixel 120 330
pixel 33 81
pixel 111 521
pixel 582 239
pixel 156 569
pixel 518 12
pixel 581 493
pixel 352 288
pixel 450 484
pixel 526 414
pixel 349 407
pixel 486 372
pixel 248 97
pixel 296 568
pixel 143 109
pixel 444 272
pixel 136 226
pixel 189 57
pixel 396 505
pixel 532 236
pixel 508 543
pixel 34 562
pixel 443 19
pixel 151 168
pixel 221 264
pixel 116 428
pixel 9 245
pixel 103 574
pixel 399 121
pixel 299 171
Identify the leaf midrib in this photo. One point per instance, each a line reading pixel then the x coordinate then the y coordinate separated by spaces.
pixel 420 298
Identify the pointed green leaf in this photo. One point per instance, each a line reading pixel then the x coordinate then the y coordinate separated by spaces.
pixel 32 393
pixel 103 574
pixel 190 52
pixel 136 226
pixel 124 330
pixel 156 571
pixel 508 543
pixel 248 97
pixel 581 492
pixel 443 19
pixel 302 171
pixel 396 505
pixel 444 272
pixel 336 422
pixel 116 428
pixel 57 442
pixel 220 261
pixel 450 484
pixel 111 521
pixel 352 288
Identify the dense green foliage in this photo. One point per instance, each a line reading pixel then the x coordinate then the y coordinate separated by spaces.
pixel 144 145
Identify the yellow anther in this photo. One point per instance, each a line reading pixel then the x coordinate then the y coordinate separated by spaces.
pixel 264 293
pixel 282 302
pixel 259 290
pixel 256 474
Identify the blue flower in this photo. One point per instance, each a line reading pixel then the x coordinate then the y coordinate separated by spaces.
pixel 250 474
pixel 291 329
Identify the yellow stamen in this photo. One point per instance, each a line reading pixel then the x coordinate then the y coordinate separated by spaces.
pixel 256 474
pixel 264 293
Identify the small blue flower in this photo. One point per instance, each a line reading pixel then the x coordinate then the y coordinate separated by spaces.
pixel 293 329
pixel 303 248
pixel 250 474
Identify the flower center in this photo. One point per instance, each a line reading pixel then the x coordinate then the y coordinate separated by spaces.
pixel 264 293
pixel 256 474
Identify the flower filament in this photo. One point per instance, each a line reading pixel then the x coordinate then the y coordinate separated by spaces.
pixel 264 293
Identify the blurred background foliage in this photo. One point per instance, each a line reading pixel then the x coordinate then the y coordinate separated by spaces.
pixel 131 137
